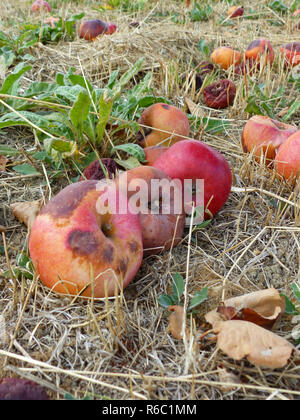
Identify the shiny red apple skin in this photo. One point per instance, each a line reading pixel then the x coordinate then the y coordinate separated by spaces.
pixel 287 161
pixel 193 159
pixel 77 250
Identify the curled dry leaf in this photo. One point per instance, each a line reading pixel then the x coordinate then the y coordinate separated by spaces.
pixel 228 377
pixel 176 321
pixel 27 211
pixel 263 308
pixel 239 339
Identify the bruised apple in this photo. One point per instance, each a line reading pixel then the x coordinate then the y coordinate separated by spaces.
pixel 100 169
pixel 157 199
pixel 263 135
pixel 225 57
pixel 81 245
pixel 287 161
pixel 220 94
pixel 235 11
pixel 163 125
pixel 91 29
pixel 194 160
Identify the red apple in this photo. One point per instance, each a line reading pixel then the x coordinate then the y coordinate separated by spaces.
pixel 261 51
pixel 77 250
pixel 263 135
pixel 194 160
pixel 158 201
pixel 13 389
pixel 95 169
pixel 291 53
pixel 152 153
pixel 40 5
pixel 287 161
pixel 171 120
pixel 235 11
pixel 91 29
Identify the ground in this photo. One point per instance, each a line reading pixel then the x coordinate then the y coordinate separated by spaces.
pixel 122 349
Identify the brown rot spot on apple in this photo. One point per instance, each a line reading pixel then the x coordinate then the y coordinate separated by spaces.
pixel 220 94
pixel 133 246
pixel 82 242
pixel 123 264
pixel 106 167
pixel 108 253
pixel 64 203
pixel 165 106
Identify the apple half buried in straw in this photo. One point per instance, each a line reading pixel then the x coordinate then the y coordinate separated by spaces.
pixel 194 160
pixel 158 202
pixel 263 135
pixel 79 251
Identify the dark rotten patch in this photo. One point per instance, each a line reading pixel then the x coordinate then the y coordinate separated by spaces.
pixel 108 253
pixel 165 106
pixel 82 242
pixel 68 199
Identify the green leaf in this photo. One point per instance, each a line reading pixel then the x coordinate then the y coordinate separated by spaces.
pixel 296 291
pixel 62 146
pixel 133 150
pixel 25 169
pixel 198 298
pixel 204 47
pixel 129 163
pixel 293 108
pixel 178 285
pixel 290 308
pixel 80 110
pixel 166 300
pixel 7 150
pixel 11 83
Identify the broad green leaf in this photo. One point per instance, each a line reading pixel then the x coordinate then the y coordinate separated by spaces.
pixel 40 88
pixel 124 79
pixel 133 150
pixel 178 285
pixel 198 298
pixel 25 169
pixel 76 79
pixel 11 83
pixel 62 145
pixel 104 109
pixel 290 308
pixel 166 300
pixel 129 163
pixel 8 151
pixel 80 110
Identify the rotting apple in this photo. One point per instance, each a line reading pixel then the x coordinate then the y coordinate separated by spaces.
pixel 81 244
pixel 287 160
pixel 260 49
pixel 225 57
pixel 291 53
pixel 159 203
pixel 95 169
pixel 12 389
pixel 220 94
pixel 152 153
pixel 91 29
pixel 162 125
pixel 263 135
pixel 194 160
pixel 235 11
pixel 40 5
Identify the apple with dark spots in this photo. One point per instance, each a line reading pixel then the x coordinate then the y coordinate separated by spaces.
pixel 287 160
pixel 19 389
pixel 261 51
pixel 162 125
pixel 91 29
pixel 194 160
pixel 291 53
pixel 158 202
pixel 262 135
pixel 77 248
pixel 100 169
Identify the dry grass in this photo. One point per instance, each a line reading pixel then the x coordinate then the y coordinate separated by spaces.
pixel 120 348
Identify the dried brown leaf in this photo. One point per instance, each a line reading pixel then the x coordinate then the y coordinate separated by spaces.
pixel 194 109
pixel 26 211
pixel 263 307
pixel 239 339
pixel 176 321
pixel 3 162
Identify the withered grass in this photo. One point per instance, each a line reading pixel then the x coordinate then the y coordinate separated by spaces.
pixel 121 348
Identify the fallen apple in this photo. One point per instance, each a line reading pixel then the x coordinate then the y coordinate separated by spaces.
pixel 81 246
pixel 100 169
pixel 235 11
pixel 291 53
pixel 40 5
pixel 287 160
pixel 152 153
pixel 162 125
pixel 220 94
pixel 91 29
pixel 13 389
pixel 261 51
pixel 158 202
pixel 263 135
pixel 225 57
pixel 194 160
